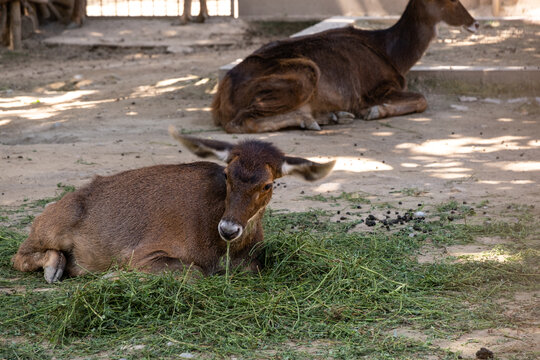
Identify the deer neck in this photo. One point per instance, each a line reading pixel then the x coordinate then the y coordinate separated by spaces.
pixel 409 38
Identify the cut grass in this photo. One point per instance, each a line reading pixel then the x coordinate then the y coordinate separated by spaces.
pixel 327 290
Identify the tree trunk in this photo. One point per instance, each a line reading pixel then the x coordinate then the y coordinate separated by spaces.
pixel 15 41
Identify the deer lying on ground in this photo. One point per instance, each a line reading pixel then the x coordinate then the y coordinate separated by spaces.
pixel 165 217
pixel 333 76
pixel 203 13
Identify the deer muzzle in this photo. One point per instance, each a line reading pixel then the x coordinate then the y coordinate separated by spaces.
pixel 229 230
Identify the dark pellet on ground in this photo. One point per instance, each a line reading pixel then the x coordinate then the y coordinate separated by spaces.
pixel 400 203
pixel 370 222
pixel 451 218
pixel 388 212
pixel 302 192
pixel 348 213
pixel 464 202
pixel 358 207
pixel 484 353
pixel 343 218
pixel 339 212
pixel 137 156
pixel 419 204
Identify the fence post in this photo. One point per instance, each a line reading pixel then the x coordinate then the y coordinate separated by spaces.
pixel 495 7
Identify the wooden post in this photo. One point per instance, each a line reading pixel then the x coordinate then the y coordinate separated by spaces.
pixel 15 41
pixel 496 7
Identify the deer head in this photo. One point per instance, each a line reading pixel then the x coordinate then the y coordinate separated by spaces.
pixel 252 167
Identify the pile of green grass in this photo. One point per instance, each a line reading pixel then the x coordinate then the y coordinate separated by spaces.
pixel 326 291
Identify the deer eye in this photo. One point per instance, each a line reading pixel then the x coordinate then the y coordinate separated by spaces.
pixel 267 187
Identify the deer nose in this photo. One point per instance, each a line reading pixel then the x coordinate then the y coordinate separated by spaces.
pixel 229 230
pixel 473 27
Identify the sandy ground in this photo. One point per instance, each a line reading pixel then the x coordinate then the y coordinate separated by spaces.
pixel 68 113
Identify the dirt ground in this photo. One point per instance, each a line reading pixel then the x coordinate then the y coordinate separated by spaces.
pixel 69 112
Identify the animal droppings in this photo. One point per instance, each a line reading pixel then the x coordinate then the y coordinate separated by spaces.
pixel 484 353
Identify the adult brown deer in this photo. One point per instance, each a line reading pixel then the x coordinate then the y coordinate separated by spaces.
pixel 165 217
pixel 333 76
pixel 203 12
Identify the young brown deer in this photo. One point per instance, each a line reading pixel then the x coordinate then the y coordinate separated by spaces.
pixel 333 76
pixel 165 217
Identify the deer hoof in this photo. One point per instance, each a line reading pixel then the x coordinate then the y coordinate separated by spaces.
pixel 54 267
pixel 373 113
pixel 344 117
pixel 313 125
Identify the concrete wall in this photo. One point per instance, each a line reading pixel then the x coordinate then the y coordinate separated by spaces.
pixel 319 9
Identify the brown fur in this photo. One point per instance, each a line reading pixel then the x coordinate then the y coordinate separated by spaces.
pixel 312 78
pixel 163 217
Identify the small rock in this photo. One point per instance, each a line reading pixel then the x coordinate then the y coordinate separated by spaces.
pixel 187 355
pixel 420 214
pixel 491 101
pixel 467 98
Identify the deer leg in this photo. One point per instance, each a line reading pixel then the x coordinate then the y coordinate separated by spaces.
pixel 29 258
pixel 298 118
pixel 79 14
pixel 184 19
pixel 203 13
pixel 338 117
pixel 395 104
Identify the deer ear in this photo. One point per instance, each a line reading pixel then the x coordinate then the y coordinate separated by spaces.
pixel 202 147
pixel 307 169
